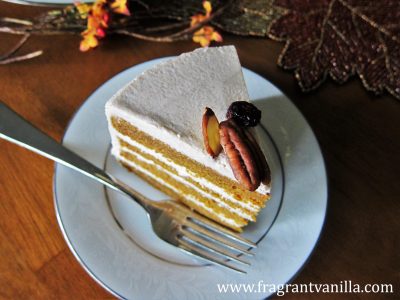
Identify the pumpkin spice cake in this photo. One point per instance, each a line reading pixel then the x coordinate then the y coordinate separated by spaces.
pixel 164 127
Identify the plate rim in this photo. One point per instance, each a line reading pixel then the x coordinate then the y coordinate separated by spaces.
pixel 86 101
pixel 45 3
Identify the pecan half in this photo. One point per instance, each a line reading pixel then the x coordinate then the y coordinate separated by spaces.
pixel 241 156
pixel 263 167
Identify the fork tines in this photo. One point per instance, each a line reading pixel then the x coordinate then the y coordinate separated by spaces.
pixel 214 243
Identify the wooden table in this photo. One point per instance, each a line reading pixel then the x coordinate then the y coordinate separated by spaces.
pixel 358 133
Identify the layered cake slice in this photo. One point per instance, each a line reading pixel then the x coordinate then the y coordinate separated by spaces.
pixel 165 127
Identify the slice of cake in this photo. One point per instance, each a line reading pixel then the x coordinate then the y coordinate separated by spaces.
pixel 164 127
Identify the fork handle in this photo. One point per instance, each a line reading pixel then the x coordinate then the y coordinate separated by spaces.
pixel 16 129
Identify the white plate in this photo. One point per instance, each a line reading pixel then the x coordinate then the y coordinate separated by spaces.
pixel 112 239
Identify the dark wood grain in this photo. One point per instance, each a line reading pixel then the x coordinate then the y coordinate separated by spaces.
pixel 359 136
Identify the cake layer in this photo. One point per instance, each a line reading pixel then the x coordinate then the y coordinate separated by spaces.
pixel 184 173
pixel 187 181
pixel 206 191
pixel 231 188
pixel 175 189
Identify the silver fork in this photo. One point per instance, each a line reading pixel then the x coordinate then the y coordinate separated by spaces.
pixel 173 222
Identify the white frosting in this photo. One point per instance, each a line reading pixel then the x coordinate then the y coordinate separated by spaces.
pixel 167 101
pixel 187 197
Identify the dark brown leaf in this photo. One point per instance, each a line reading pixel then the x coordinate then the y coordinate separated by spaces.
pixel 249 17
pixel 341 38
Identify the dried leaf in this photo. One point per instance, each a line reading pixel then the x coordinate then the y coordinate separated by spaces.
pixel 175 9
pixel 243 17
pixel 249 17
pixel 341 38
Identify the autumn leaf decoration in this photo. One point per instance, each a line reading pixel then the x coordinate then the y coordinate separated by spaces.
pixel 341 38
pixel 324 38
pixel 206 34
pixel 99 13
pixel 98 16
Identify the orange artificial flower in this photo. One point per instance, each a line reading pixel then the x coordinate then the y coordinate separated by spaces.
pixel 83 9
pixel 98 16
pixel 205 35
pixel 207 7
pixel 120 6
pixel 96 23
pixel 89 41
pixel 200 18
